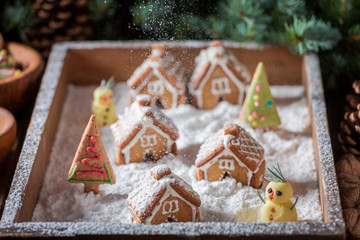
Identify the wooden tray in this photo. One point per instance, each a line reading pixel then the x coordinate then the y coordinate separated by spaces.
pixel 88 63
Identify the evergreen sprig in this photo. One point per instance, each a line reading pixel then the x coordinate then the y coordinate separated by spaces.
pixel 354 33
pixel 102 14
pixel 240 21
pixel 310 35
pixel 166 19
pixel 16 18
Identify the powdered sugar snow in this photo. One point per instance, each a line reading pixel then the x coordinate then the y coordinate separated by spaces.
pixel 290 145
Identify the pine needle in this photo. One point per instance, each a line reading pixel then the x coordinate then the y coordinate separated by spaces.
pixel 262 199
pixel 275 175
pixel 294 203
pixel 278 170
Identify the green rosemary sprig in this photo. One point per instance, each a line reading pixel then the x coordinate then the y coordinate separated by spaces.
pixel 262 199
pixel 109 83
pixel 275 175
pixel 294 203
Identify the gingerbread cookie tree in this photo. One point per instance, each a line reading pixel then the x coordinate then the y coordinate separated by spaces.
pixel 259 108
pixel 91 165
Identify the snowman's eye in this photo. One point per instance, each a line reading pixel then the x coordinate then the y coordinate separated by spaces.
pixel 269 190
pixel 278 193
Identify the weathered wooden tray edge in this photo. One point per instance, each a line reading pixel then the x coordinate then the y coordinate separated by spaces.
pixel 333 227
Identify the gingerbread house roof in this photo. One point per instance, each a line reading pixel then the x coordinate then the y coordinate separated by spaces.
pixel 238 141
pixel 139 114
pixel 148 192
pixel 163 63
pixel 216 54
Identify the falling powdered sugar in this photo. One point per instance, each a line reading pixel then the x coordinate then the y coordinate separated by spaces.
pixel 290 145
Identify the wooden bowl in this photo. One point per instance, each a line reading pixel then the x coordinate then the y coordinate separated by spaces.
pixel 15 91
pixel 7 132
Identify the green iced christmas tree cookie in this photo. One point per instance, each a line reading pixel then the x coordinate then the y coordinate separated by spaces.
pixel 259 108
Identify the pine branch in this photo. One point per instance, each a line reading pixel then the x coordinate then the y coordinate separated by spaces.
pixel 291 8
pixel 101 9
pixel 310 35
pixel 354 33
pixel 240 21
pixel 191 26
pixel 155 18
pixel 261 198
pixel 297 198
pixel 16 17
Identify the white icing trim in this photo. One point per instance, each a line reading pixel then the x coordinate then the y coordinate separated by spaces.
pixel 147 123
pixel 171 203
pixel 169 87
pixel 227 139
pixel 227 164
pixel 170 192
pixel 166 85
pixel 157 52
pixel 135 92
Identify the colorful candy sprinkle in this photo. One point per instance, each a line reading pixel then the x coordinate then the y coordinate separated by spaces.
pixel 250 118
pixel 254 123
pixel 258 88
pixel 256 97
pixel 269 103
pixel 255 114
pixel 257 103
pixel 262 118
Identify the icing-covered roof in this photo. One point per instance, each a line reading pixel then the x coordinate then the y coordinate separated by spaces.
pixel 244 147
pixel 165 64
pixel 138 115
pixel 214 55
pixel 148 192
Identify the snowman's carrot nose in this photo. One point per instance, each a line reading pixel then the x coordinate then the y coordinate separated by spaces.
pixel 105 99
pixel 272 195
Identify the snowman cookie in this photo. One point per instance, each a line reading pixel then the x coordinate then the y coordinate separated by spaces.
pixel 278 207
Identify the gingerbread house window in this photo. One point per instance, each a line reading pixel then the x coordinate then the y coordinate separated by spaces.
pixel 148 141
pixel 220 86
pixel 227 164
pixel 170 207
pixel 156 88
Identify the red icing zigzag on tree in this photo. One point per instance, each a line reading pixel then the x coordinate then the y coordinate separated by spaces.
pixel 98 171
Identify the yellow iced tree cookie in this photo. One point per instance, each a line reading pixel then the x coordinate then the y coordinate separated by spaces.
pixel 278 207
pixel 103 107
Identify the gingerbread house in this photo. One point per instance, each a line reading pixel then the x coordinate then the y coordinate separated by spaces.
pixel 218 76
pixel 143 133
pixel 163 197
pixel 231 152
pixel 161 77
